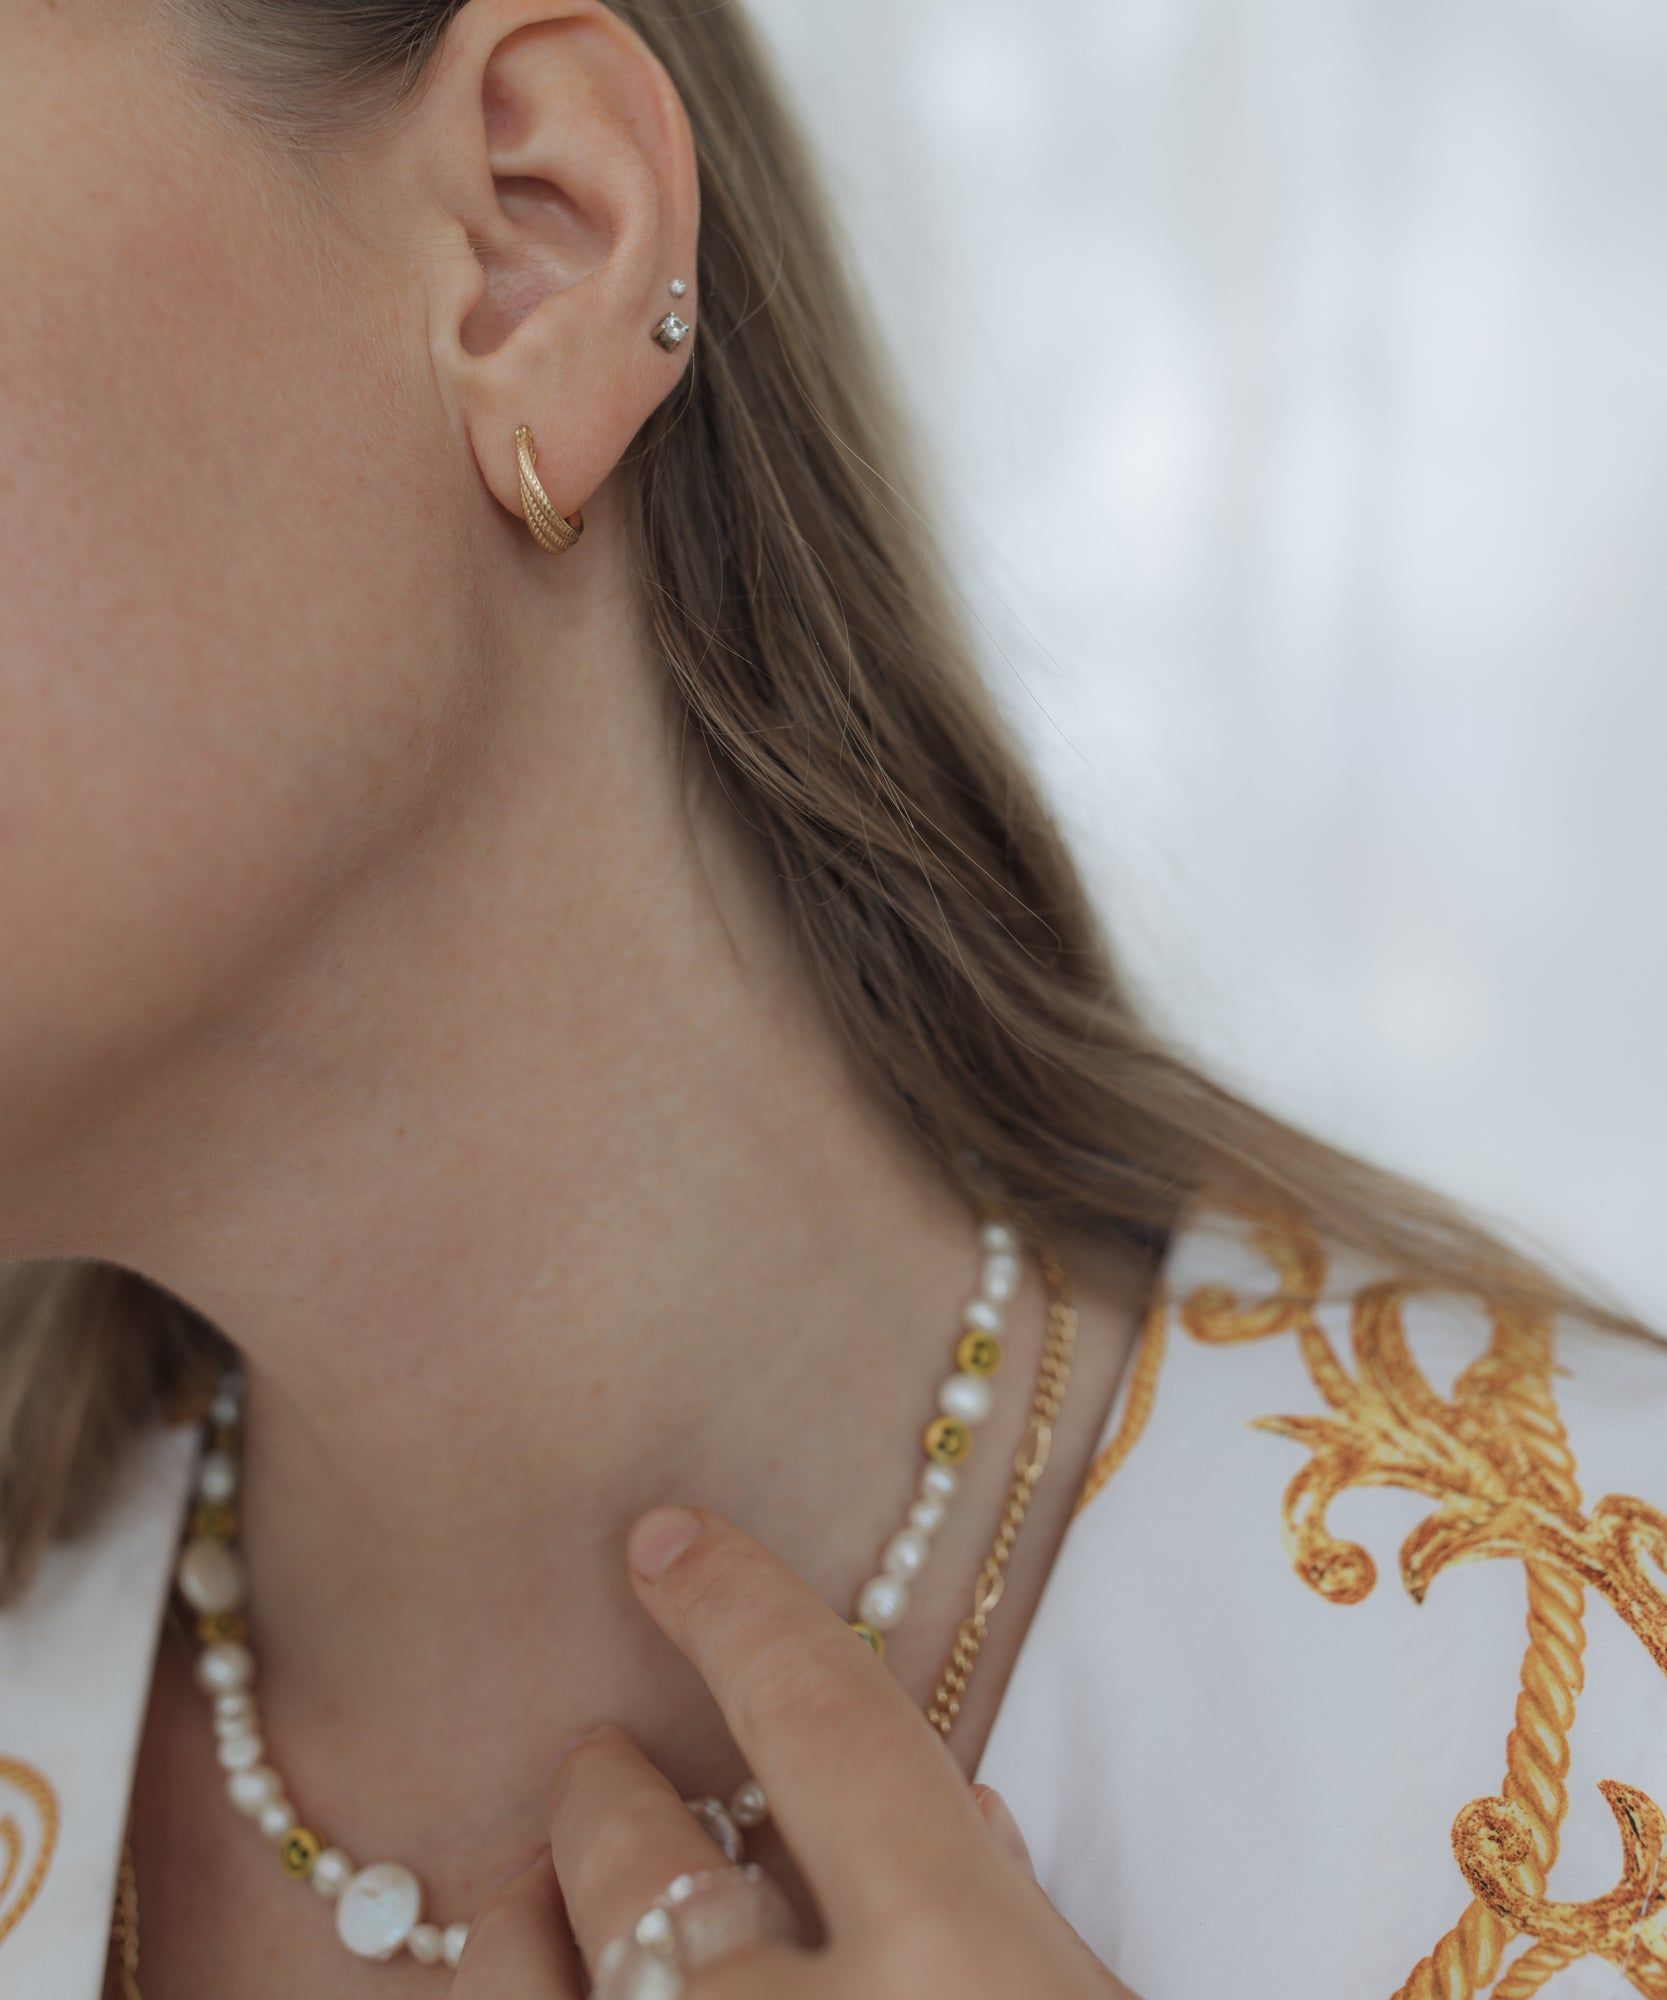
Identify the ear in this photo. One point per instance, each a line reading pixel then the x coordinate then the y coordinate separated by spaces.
pixel 559 156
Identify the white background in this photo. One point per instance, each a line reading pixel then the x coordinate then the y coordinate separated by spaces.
pixel 1294 381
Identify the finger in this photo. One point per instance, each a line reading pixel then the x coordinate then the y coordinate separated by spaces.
pixel 620 1835
pixel 1004 1829
pixel 860 1784
pixel 773 1972
pixel 519 1945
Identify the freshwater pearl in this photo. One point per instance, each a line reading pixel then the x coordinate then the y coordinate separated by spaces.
pixel 749 1807
pixel 226 1408
pixel 968 1397
pixel 1001 1278
pixel 277 1818
pixel 379 1909
pixel 425 1944
pixel 883 1601
pixel 452 1943
pixel 998 1238
pixel 252 1791
pixel 983 1315
pixel 241 1753
pixel 210 1578
pixel 655 1929
pixel 928 1516
pixel 225 1667
pixel 217 1476
pixel 332 1872
pixel 234 1711
pixel 906 1554
pixel 938 1482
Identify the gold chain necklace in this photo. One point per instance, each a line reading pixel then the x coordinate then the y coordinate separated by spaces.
pixel 1030 1461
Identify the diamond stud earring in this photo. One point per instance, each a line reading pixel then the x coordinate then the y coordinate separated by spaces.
pixel 672 332
pixel 677 288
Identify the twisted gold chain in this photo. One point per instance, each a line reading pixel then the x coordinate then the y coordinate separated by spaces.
pixel 1030 1461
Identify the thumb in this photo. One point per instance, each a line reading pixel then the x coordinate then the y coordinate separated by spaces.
pixel 997 1816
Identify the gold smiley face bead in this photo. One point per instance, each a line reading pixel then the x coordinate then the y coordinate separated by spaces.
pixel 874 1641
pixel 215 1626
pixel 300 1851
pixel 947 1440
pixel 214 1521
pixel 978 1353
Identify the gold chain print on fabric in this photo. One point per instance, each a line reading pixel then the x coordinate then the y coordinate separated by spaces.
pixel 28 1834
pixel 1144 1369
pixel 1497 1463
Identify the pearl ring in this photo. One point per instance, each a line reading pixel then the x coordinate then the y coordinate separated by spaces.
pixel 695 1922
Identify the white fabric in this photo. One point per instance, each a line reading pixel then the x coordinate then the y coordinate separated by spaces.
pixel 1231 1785
pixel 75 1670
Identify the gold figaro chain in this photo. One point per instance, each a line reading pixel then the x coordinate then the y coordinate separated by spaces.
pixel 124 1928
pixel 1030 1461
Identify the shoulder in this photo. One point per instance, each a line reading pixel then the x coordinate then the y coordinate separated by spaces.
pixel 1353 1562
pixel 1492 1434
pixel 1392 1384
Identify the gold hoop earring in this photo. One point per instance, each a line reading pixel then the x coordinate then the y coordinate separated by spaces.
pixel 552 531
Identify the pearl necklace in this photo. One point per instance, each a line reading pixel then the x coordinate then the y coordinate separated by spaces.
pixel 379 1909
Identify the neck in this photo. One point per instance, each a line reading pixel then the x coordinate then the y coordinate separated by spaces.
pixel 528 1209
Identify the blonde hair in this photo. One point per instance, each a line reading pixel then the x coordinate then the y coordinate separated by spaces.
pixel 804 625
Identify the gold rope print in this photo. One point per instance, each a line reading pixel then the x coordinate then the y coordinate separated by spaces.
pixel 1495 1459
pixel 1137 1410
pixel 28 1834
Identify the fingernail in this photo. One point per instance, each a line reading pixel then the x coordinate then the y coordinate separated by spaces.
pixel 998 1817
pixel 659 1538
pixel 508 1872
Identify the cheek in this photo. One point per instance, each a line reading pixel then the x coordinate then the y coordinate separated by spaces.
pixel 214 685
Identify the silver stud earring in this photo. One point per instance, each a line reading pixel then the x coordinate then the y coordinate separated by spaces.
pixel 672 332
pixel 677 288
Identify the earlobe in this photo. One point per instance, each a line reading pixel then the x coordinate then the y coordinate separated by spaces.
pixel 557 148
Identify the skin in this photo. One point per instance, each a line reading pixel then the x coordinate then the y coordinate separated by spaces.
pixel 381 979
pixel 926 1887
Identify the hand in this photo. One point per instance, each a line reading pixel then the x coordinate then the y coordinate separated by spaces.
pixel 922 1886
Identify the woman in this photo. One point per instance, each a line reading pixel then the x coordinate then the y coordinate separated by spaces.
pixel 562 1092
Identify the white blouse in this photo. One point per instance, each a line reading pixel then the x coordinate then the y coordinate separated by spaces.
pixel 1349 1681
